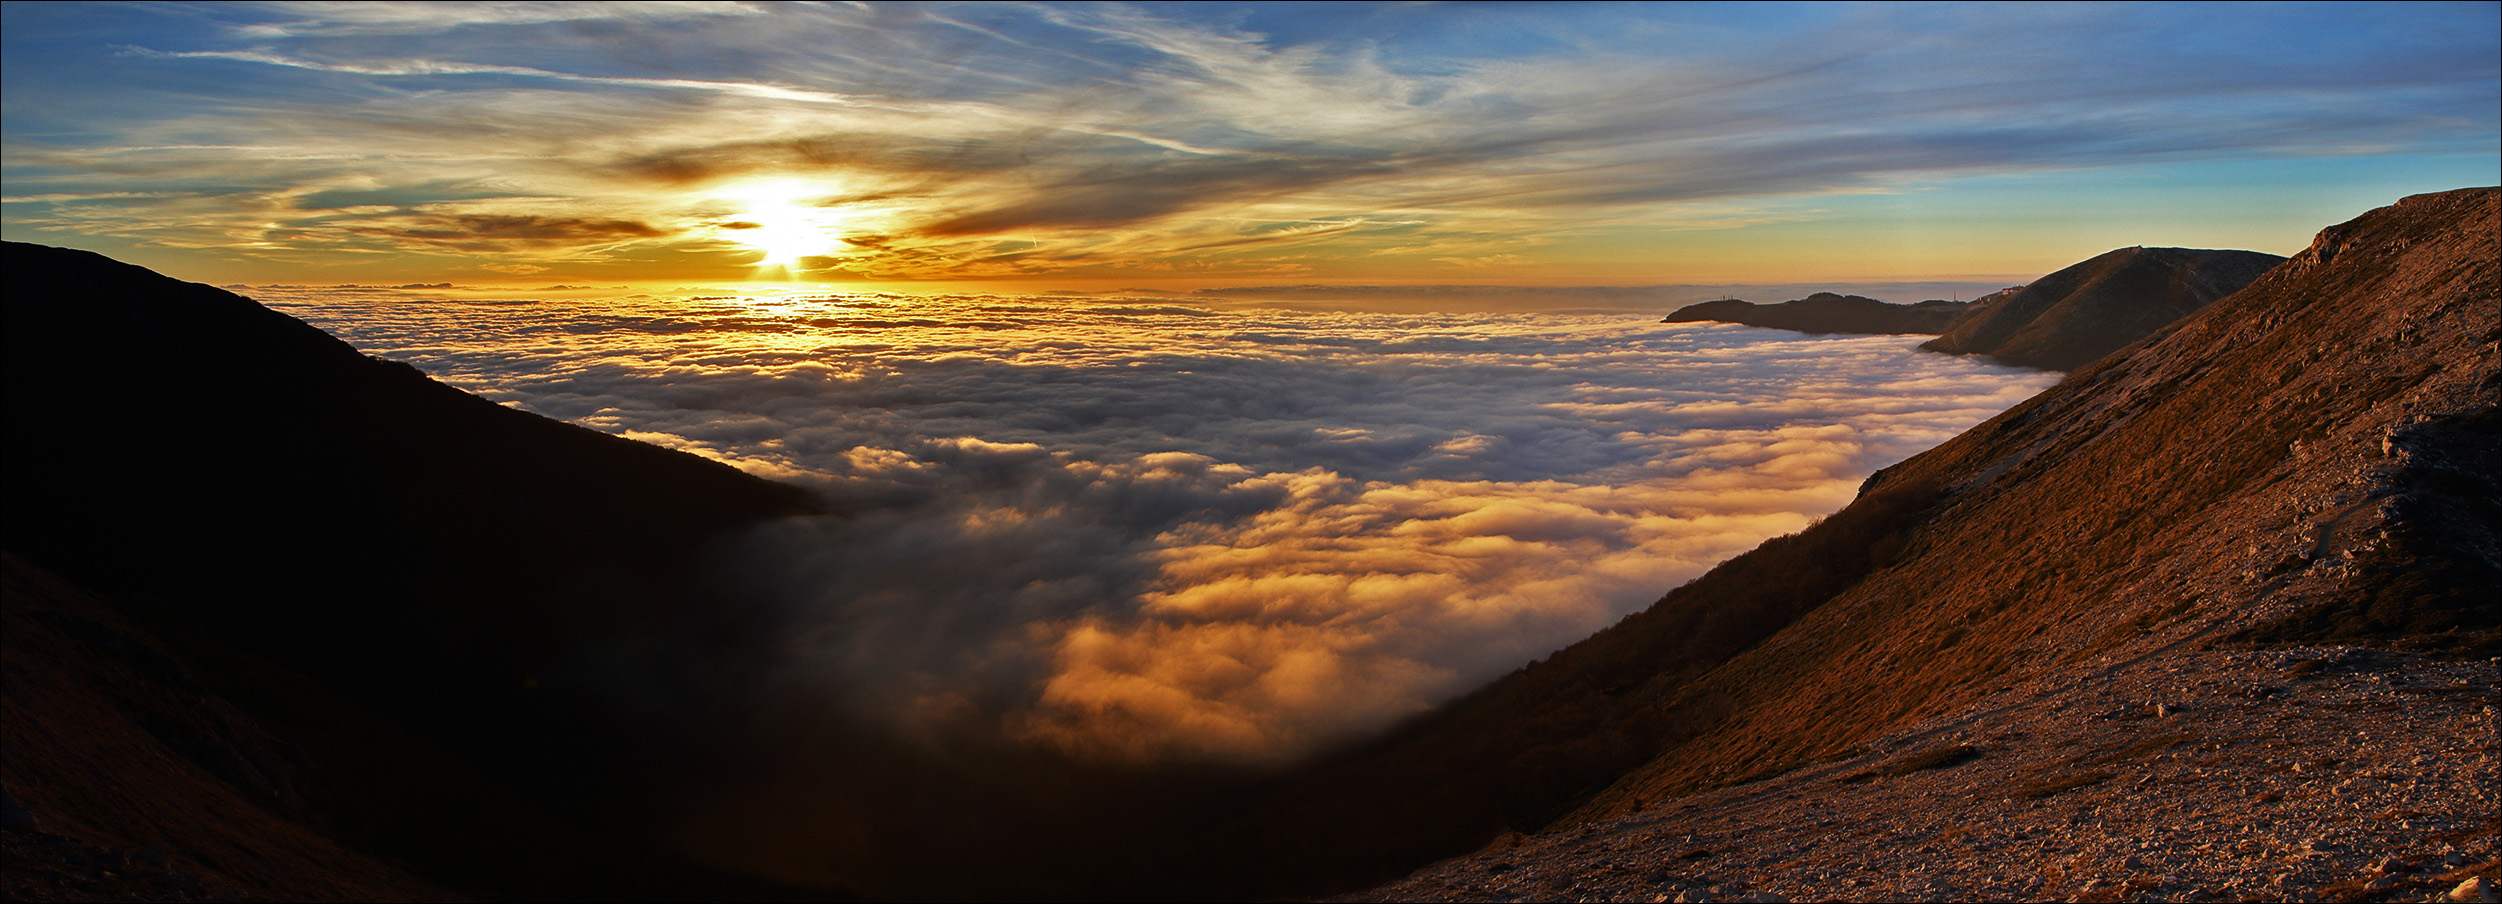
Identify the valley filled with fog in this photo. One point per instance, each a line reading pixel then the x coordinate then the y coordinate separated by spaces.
pixel 1135 530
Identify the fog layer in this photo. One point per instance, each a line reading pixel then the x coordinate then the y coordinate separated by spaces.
pixel 1142 531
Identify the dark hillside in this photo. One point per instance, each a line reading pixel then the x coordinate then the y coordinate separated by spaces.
pixel 2293 461
pixel 153 764
pixel 513 588
pixel 2067 319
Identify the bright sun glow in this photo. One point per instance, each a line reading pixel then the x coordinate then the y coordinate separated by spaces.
pixel 777 224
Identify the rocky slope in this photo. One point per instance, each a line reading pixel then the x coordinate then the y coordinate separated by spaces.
pixel 287 612
pixel 2069 318
pixel 2306 773
pixel 1826 312
pixel 2310 461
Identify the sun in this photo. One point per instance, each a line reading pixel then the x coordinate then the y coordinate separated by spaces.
pixel 777 225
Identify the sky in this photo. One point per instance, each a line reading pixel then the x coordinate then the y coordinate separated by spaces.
pixel 1209 145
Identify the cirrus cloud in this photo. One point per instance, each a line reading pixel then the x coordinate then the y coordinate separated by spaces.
pixel 1036 139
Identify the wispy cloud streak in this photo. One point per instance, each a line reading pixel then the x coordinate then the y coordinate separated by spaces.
pixel 1038 139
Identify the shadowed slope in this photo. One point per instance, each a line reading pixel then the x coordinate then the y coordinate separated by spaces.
pixel 172 438
pixel 218 805
pixel 158 765
pixel 2231 471
pixel 521 591
pixel 2069 318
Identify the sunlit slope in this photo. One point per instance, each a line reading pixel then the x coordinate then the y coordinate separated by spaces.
pixel 2309 458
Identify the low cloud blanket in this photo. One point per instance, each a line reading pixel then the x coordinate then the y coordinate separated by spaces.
pixel 1139 530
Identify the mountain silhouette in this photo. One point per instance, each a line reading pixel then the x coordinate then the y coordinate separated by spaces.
pixel 265 542
pixel 1826 312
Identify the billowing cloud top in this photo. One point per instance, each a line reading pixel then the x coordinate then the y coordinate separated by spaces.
pixel 1142 530
pixel 1234 142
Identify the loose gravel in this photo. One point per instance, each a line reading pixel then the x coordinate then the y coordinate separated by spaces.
pixel 2185 774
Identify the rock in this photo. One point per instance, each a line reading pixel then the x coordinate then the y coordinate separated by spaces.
pixel 2474 889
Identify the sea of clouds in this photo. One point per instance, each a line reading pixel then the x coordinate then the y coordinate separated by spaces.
pixel 1141 530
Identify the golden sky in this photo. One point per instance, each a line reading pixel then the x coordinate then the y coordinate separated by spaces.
pixel 1081 145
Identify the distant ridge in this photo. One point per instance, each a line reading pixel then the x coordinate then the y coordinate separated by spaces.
pixel 2311 460
pixel 2059 322
pixel 1826 312
pixel 2069 318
